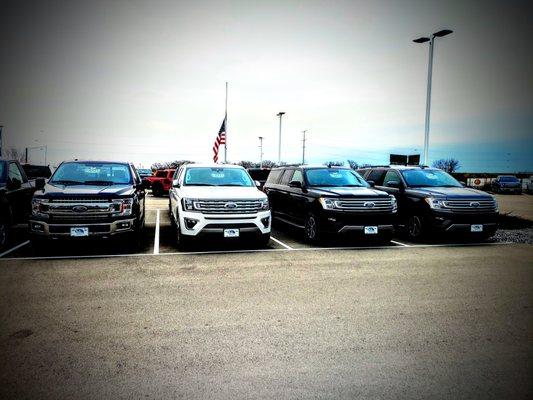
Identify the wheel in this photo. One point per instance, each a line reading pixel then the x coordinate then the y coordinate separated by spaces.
pixel 137 240
pixel 157 190
pixel 415 227
pixel 182 242
pixel 4 232
pixel 264 240
pixel 311 229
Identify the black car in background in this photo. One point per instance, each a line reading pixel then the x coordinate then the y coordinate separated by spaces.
pixel 15 197
pixel 259 175
pixel 326 201
pixel 37 171
pixel 89 199
pixel 432 201
pixel 506 184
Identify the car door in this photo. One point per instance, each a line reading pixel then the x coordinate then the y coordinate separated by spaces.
pixel 18 192
pixel 297 201
pixel 392 175
pixel 283 207
pixel 141 192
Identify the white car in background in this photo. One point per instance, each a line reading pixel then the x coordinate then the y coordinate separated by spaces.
pixel 218 201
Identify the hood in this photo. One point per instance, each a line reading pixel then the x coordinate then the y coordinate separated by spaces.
pixel 55 190
pixel 348 191
pixel 221 192
pixel 450 192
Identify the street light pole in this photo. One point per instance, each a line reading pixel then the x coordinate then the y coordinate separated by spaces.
pixel 280 115
pixel 431 41
pixel 260 151
pixel 303 147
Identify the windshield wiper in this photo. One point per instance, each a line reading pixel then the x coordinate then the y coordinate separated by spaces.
pixel 351 186
pixel 231 184
pixel 67 182
pixel 103 183
pixel 199 184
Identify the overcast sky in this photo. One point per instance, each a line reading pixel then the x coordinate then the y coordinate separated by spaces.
pixel 144 80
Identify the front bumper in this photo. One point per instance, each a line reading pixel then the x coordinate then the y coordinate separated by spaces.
pixel 97 229
pixel 349 223
pixel 450 222
pixel 211 224
pixel 510 189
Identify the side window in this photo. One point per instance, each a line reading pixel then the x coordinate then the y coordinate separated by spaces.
pixel 298 176
pixel 285 179
pixel 390 176
pixel 135 174
pixel 14 172
pixel 376 175
pixel 274 175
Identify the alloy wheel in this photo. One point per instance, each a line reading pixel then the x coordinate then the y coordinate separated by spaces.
pixel 310 227
pixel 414 226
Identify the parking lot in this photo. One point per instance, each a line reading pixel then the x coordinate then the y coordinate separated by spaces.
pixel 429 320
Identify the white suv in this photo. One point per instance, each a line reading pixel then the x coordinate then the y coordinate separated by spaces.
pixel 218 200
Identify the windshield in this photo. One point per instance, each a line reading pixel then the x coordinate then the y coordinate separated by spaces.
pixel 508 179
pixel 205 176
pixel 143 171
pixel 91 173
pixel 429 177
pixel 334 177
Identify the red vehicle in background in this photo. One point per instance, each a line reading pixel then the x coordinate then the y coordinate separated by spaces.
pixel 160 181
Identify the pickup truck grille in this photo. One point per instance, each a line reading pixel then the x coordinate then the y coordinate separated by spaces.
pixel 380 204
pixel 228 206
pixel 78 200
pixel 471 205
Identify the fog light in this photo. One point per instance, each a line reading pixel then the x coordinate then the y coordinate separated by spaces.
pixel 37 227
pixel 190 223
pixel 265 221
pixel 123 225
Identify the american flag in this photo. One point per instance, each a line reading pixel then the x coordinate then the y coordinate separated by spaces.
pixel 221 139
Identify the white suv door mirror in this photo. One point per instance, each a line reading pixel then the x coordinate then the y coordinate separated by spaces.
pixel 176 183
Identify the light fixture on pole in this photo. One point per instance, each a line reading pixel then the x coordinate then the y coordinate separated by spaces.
pixel 280 115
pixel 431 41
pixel 261 151
pixel 303 147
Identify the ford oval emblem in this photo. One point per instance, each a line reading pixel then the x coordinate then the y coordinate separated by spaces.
pixel 79 209
pixel 474 204
pixel 230 205
pixel 369 204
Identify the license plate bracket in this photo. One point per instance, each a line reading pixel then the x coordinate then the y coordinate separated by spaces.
pixel 79 231
pixel 371 230
pixel 476 228
pixel 231 233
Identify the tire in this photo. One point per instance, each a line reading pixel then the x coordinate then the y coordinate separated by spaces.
pixel 157 190
pixel 137 239
pixel 183 243
pixel 416 228
pixel 264 240
pixel 4 234
pixel 312 229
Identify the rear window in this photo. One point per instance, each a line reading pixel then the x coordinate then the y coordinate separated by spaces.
pixel 285 179
pixel 376 175
pixel 161 174
pixel 274 176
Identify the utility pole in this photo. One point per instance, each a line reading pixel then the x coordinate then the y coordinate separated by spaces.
pixel 303 147
pixel 1 128
pixel 431 40
pixel 261 151
pixel 280 115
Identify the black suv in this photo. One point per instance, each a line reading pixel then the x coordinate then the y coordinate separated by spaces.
pixel 506 183
pixel 88 199
pixel 431 201
pixel 322 200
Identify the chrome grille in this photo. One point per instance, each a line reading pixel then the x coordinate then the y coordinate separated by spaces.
pixel 375 204
pixel 78 200
pixel 471 205
pixel 228 206
pixel 82 207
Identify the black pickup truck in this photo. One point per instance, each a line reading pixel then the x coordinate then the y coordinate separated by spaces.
pixel 89 199
pixel 15 197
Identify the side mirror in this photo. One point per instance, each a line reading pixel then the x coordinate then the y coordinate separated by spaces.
pixel 295 184
pixel 176 183
pixel 393 184
pixel 13 184
pixel 40 183
pixel 371 183
pixel 257 183
pixel 462 183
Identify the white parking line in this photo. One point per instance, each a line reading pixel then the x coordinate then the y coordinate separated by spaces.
pixel 156 237
pixel 400 243
pixel 18 246
pixel 281 243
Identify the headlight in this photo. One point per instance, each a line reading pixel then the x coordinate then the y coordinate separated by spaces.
pixel 326 203
pixel 435 203
pixel 264 204
pixel 496 205
pixel 188 204
pixel 123 206
pixel 37 207
pixel 394 203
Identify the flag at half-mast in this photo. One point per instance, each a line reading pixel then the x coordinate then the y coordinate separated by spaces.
pixel 221 139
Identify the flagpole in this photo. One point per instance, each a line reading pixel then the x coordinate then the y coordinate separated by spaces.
pixel 226 116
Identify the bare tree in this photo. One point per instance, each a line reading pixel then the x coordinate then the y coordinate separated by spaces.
pixel 15 154
pixel 248 164
pixel 269 164
pixel 449 165
pixel 353 164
